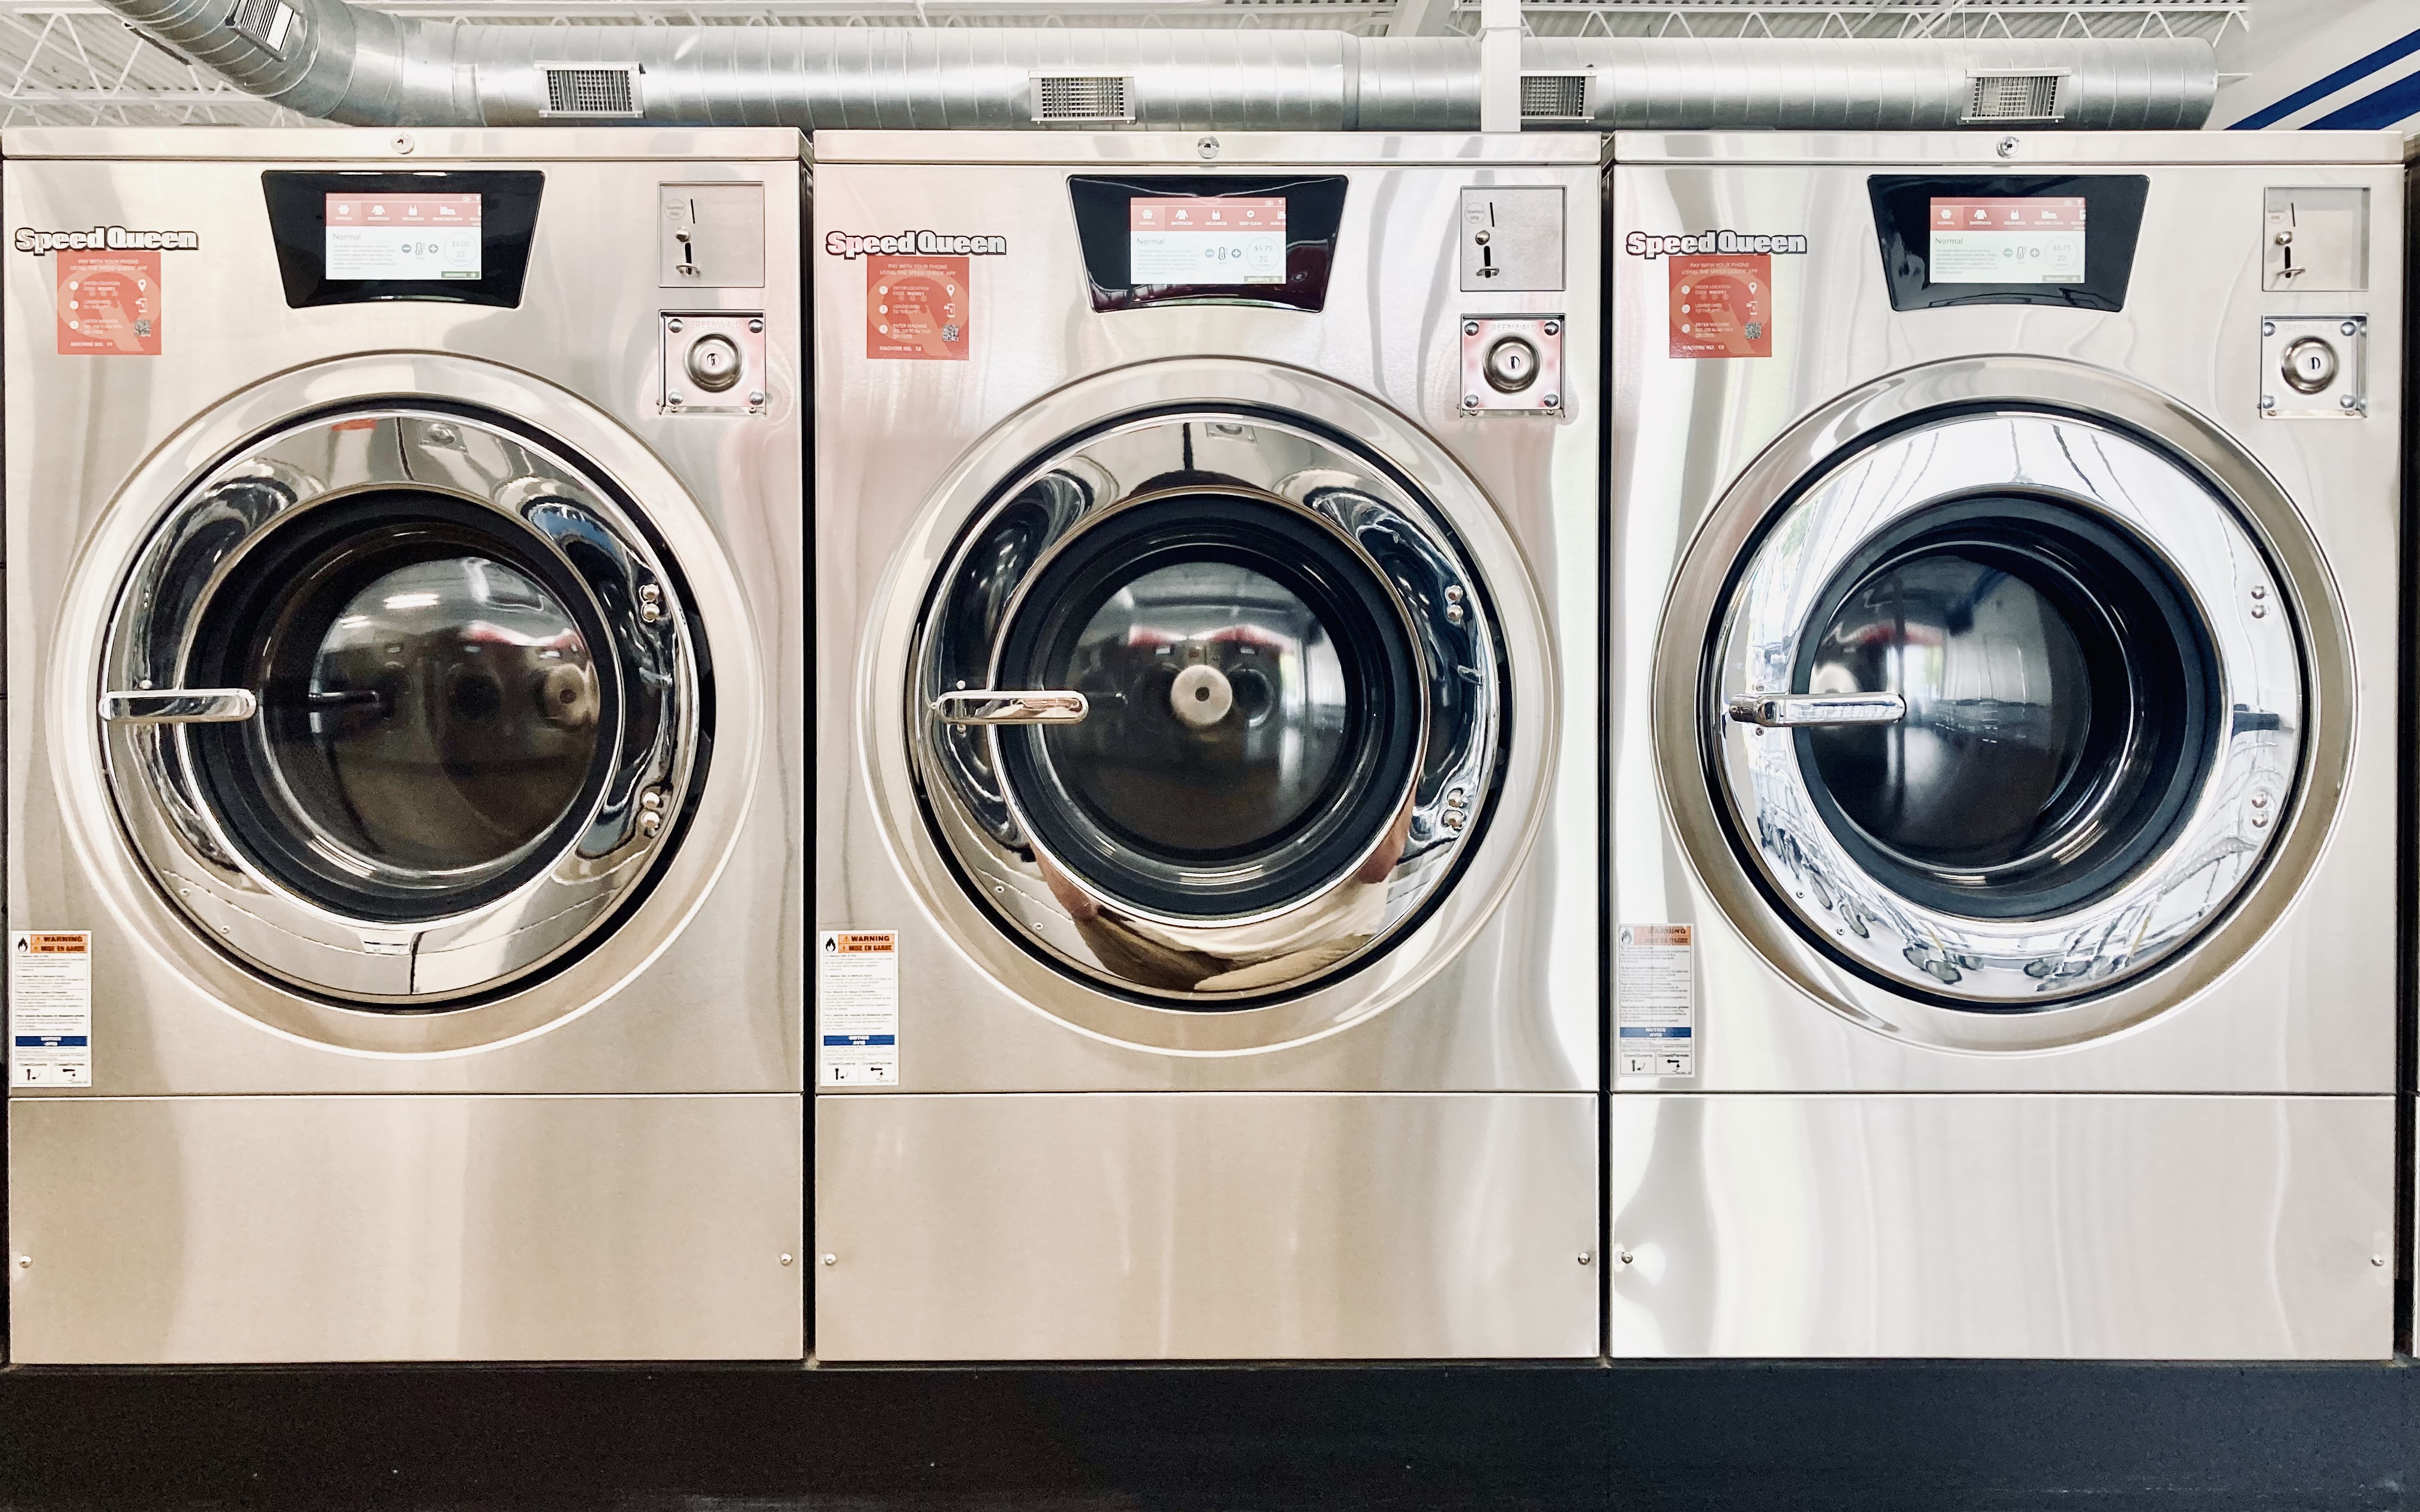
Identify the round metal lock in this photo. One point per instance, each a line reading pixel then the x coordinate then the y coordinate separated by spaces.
pixel 713 363
pixel 1511 365
pixel 2310 365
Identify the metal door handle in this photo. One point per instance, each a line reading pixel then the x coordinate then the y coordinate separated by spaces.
pixel 1800 711
pixel 181 705
pixel 988 706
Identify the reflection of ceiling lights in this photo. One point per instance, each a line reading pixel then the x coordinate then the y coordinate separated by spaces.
pixel 404 601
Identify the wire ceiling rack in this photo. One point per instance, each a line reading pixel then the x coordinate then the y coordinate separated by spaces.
pixel 77 63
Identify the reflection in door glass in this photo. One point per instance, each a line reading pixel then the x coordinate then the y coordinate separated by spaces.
pixel 448 720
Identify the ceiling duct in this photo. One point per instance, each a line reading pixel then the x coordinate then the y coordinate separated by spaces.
pixel 345 62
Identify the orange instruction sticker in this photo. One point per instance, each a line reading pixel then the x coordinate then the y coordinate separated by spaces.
pixel 916 308
pixel 109 303
pixel 1722 306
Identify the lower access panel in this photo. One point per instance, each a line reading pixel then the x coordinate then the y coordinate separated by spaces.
pixel 201 1230
pixel 1192 1226
pixel 2071 1225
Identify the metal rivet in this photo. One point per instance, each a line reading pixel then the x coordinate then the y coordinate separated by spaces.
pixel 2374 1259
pixel 673 325
pixel 24 1263
pixel 1457 799
pixel 2350 328
pixel 2261 800
pixel 1470 401
pixel 1455 819
pixel 757 326
pixel 1623 1258
pixel 2268 401
pixel 2260 611
pixel 2259 590
pixel 1454 614
pixel 1586 1256
pixel 832 1259
pixel 650 825
pixel 1554 328
pixel 756 399
pixel 1470 327
pixel 2260 821
pixel 788 1259
pixel 1452 595
pixel 2268 327
pixel 1552 401
pixel 1207 147
pixel 2347 402
pixel 674 398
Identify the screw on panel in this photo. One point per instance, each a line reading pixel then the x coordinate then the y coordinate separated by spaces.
pixel 1554 328
pixel 1470 401
pixel 1586 1256
pixel 24 1263
pixel 788 1259
pixel 2350 328
pixel 1552 401
pixel 1207 147
pixel 757 401
pixel 1470 327
pixel 2008 147
pixel 1623 1258
pixel 673 326
pixel 402 142
pixel 2268 327
pixel 832 1259
pixel 756 326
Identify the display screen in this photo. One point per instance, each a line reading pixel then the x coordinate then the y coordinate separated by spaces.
pixel 1207 239
pixel 2028 241
pixel 403 236
pixel 1206 243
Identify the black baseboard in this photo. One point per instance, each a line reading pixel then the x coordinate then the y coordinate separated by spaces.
pixel 1873 1438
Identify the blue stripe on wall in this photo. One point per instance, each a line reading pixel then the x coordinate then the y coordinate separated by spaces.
pixel 2401 47
pixel 2387 106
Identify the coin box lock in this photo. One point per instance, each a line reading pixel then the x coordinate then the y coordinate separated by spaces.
pixel 2314 367
pixel 1513 364
pixel 713 364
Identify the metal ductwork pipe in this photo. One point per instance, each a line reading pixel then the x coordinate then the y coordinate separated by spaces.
pixel 343 62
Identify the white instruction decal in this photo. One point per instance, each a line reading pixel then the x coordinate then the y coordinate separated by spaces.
pixel 1654 1001
pixel 857 1008
pixel 50 1008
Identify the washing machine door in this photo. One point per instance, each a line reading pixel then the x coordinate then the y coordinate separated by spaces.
pixel 400 706
pixel 1221 686
pixel 2005 708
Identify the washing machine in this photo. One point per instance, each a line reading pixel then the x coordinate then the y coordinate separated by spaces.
pixel 1206 846
pixel 2001 743
pixel 406 746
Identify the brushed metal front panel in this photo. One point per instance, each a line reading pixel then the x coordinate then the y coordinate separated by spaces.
pixel 219 1229
pixel 1205 1226
pixel 2311 1006
pixel 2068 1226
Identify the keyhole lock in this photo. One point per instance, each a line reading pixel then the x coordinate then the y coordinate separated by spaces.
pixel 713 363
pixel 1511 365
pixel 2310 365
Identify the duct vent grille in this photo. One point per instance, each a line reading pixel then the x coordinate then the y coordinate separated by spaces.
pixel 590 91
pixel 1555 96
pixel 1083 97
pixel 2015 97
pixel 265 24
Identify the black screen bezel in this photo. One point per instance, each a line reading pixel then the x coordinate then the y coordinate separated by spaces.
pixel 2113 220
pixel 1314 209
pixel 298 224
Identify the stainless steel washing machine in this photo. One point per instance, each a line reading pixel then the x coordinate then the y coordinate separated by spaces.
pixel 1208 842
pixel 406 781
pixel 2002 744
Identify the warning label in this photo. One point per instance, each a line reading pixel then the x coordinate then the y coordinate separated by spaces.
pixel 857 1008
pixel 918 308
pixel 109 303
pixel 1654 1001
pixel 50 1008
pixel 1722 306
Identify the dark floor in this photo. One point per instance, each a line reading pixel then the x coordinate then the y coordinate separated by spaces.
pixel 1872 1438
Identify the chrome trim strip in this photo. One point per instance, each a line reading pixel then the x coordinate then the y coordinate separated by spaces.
pixel 1807 711
pixel 988 706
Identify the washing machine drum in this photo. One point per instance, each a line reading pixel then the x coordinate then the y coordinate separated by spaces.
pixel 400 706
pixel 1217 732
pixel 2006 708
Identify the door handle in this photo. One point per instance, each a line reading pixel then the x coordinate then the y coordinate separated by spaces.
pixel 181 705
pixel 1803 711
pixel 991 707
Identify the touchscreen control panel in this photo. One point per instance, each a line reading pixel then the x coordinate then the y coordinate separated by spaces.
pixel 2008 238
pixel 462 236
pixel 1207 239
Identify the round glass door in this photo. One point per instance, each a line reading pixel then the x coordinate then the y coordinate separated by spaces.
pixel 430 733
pixel 1998 727
pixel 1216 734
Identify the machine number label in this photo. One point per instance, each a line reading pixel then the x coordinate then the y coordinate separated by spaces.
pixel 50 1008
pixel 109 303
pixel 857 1008
pixel 917 309
pixel 1721 307
pixel 1654 1001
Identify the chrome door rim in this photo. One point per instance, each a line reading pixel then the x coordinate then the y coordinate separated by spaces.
pixel 538 498
pixel 2304 622
pixel 933 879
pixel 1343 495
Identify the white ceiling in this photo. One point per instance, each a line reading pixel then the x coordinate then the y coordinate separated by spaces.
pixel 73 62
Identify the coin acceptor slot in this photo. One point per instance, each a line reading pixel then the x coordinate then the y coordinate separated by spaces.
pixel 710 236
pixel 2316 240
pixel 1511 239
